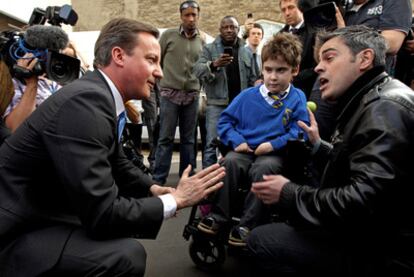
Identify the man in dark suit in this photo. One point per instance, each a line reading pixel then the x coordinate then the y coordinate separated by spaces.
pixel 71 204
pixel 292 11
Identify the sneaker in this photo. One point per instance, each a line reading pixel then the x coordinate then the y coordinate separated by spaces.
pixel 208 225
pixel 238 236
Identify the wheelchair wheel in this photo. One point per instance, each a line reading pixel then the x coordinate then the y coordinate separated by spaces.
pixel 208 255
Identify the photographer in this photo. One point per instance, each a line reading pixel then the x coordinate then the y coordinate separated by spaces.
pixel 29 94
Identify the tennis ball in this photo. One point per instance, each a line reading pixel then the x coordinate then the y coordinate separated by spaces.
pixel 312 106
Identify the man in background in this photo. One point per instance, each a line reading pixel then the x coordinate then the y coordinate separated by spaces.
pixel 223 76
pixel 292 11
pixel 179 92
pixel 254 38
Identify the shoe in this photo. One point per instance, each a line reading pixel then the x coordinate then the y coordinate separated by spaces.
pixel 208 225
pixel 238 236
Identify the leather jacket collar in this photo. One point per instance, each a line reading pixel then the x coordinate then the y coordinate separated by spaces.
pixel 352 97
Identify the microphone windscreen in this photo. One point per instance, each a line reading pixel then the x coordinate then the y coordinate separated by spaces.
pixel 50 37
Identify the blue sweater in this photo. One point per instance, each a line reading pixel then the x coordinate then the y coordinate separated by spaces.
pixel 249 118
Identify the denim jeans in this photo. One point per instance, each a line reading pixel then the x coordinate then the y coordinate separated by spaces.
pixel 213 113
pixel 170 114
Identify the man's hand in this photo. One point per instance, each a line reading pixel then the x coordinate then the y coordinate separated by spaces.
pixel 269 189
pixel 340 22
pixel 190 190
pixel 223 60
pixel 243 148
pixel 312 130
pixel 157 190
pixel 28 62
pixel 263 148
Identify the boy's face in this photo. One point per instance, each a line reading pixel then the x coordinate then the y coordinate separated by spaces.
pixel 277 74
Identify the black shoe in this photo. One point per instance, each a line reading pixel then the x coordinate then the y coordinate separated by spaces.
pixel 208 225
pixel 238 236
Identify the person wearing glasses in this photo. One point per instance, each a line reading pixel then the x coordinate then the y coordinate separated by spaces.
pixel 179 91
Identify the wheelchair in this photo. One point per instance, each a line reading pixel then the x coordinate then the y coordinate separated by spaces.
pixel 209 252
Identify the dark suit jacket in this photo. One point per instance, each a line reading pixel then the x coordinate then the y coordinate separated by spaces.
pixel 306 77
pixel 63 168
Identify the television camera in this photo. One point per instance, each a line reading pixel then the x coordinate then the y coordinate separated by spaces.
pixel 44 43
pixel 322 15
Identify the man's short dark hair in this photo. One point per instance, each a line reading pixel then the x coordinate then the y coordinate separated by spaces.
pixel 357 38
pixel 121 32
pixel 258 26
pixel 189 4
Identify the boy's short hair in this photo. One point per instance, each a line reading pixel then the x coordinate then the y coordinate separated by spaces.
pixel 285 45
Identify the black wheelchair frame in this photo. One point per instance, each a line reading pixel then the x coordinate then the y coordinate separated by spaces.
pixel 208 252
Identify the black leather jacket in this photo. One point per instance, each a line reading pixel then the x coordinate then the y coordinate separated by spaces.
pixel 367 186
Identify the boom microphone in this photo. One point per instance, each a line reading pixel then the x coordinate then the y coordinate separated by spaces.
pixel 47 37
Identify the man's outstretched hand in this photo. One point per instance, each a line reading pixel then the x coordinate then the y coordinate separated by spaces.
pixel 191 189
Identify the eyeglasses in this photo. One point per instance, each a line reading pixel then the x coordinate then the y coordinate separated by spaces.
pixel 189 4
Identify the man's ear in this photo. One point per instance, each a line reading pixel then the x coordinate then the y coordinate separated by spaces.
pixel 367 59
pixel 118 55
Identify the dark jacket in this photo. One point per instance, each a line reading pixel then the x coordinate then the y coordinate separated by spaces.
pixel 307 76
pixel 366 189
pixel 215 83
pixel 64 168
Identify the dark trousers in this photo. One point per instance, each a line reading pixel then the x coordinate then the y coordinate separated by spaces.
pixel 241 170
pixel 279 249
pixel 83 256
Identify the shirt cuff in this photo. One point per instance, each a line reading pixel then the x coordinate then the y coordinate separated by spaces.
pixel 170 206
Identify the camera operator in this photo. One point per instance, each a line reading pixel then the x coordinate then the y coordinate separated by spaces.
pixel 391 18
pixel 29 93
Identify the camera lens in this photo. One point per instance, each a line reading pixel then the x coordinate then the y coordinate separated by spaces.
pixel 59 69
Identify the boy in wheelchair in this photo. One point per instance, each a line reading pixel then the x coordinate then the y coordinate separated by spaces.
pixel 256 126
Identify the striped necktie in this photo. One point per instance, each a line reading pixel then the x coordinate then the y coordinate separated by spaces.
pixel 121 124
pixel 278 99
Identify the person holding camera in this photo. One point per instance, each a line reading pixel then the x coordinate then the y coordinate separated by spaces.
pixel 71 204
pixel 225 68
pixel 30 92
pixel 359 221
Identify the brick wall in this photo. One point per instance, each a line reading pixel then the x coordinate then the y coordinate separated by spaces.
pixel 164 13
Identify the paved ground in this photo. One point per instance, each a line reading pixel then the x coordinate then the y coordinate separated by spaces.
pixel 168 255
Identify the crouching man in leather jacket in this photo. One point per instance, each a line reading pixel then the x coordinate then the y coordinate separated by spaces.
pixel 358 220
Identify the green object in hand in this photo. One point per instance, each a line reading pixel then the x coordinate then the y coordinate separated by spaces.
pixel 311 106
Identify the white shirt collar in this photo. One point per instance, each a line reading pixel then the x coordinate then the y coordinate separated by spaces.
pixel 264 92
pixel 297 26
pixel 119 102
pixel 355 7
